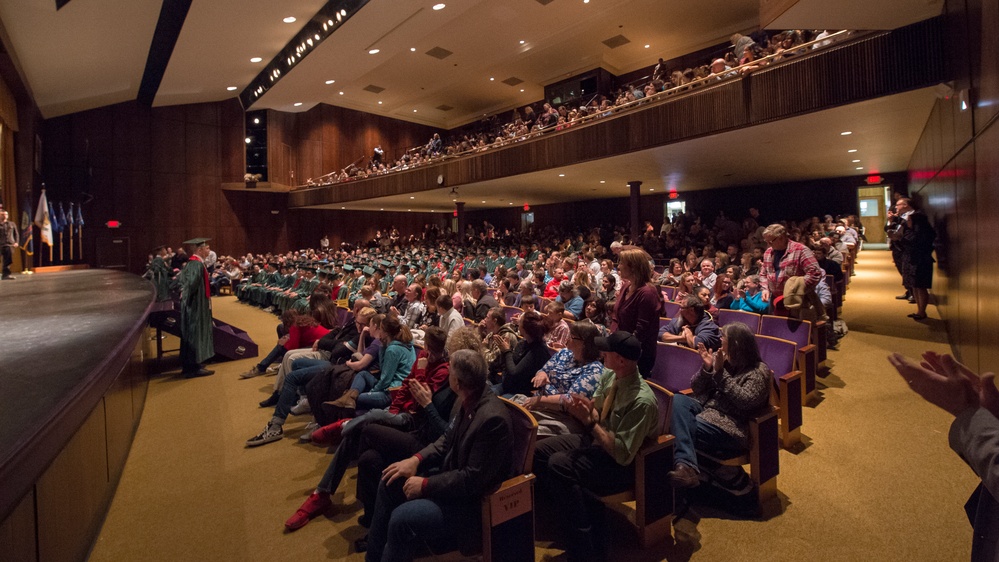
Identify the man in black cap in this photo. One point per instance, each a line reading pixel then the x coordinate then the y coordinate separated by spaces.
pixel 621 416
pixel 196 344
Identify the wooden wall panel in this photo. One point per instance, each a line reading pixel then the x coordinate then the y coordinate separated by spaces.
pixel 159 171
pixel 17 532
pixel 118 422
pixel 952 172
pixel 71 494
pixel 987 197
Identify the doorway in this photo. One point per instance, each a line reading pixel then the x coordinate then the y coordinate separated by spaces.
pixel 872 205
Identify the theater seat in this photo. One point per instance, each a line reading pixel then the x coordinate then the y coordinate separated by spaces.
pixel 750 319
pixel 508 513
pixel 779 354
pixel 763 457
pixel 799 332
pixel 652 494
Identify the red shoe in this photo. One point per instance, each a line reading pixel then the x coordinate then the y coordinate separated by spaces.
pixel 317 504
pixel 329 434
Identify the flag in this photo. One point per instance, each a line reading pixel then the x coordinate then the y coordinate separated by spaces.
pixel 69 217
pixel 62 217
pixel 79 215
pixel 27 234
pixel 42 219
pixel 54 219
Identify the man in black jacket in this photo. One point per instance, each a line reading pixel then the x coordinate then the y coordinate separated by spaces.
pixel 471 459
pixel 484 302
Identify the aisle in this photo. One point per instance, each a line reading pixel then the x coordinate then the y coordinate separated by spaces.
pixel 876 479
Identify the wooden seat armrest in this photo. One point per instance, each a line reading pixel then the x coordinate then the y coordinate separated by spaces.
pixel 510 483
pixel 687 391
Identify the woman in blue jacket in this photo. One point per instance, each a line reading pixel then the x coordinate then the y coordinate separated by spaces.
pixel 749 297
pixel 396 358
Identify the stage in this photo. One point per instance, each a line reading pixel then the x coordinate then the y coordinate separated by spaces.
pixel 72 371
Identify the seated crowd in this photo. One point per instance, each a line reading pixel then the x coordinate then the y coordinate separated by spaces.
pixel 405 384
pixel 747 54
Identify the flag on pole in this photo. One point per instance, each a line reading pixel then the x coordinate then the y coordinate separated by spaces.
pixel 27 234
pixel 79 215
pixel 62 217
pixel 42 219
pixel 54 219
pixel 69 217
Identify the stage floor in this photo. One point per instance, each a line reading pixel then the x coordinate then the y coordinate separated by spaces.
pixel 55 329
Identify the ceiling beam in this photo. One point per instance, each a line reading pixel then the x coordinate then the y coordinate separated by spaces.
pixel 171 21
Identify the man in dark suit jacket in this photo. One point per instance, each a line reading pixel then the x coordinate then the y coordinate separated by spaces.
pixel 471 459
pixel 973 400
pixel 484 302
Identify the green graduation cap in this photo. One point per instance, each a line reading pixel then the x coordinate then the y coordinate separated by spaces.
pixel 367 270
pixel 196 241
pixel 348 268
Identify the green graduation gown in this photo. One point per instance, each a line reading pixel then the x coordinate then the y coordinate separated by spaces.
pixel 159 274
pixel 196 345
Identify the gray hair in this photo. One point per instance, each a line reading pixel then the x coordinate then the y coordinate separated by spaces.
pixel 469 369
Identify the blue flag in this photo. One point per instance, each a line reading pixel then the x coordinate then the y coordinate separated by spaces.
pixel 69 218
pixel 79 215
pixel 27 234
pixel 53 219
pixel 62 217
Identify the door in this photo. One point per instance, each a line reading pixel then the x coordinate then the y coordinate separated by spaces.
pixel 871 207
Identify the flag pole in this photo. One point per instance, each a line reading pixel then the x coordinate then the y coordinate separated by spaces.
pixel 61 258
pixel 79 239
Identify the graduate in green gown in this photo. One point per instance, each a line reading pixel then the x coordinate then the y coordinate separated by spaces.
pixel 159 274
pixel 196 345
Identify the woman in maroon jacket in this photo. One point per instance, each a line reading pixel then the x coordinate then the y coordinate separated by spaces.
pixel 638 305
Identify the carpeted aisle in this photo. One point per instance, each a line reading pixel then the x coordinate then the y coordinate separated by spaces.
pixel 876 478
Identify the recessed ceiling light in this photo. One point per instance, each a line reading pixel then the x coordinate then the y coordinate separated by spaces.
pixel 341 93
pixel 289 19
pixel 256 59
pixel 651 189
pixel 647 46
pixel 440 6
pixel 844 133
pixel 414 111
pixel 381 209
pixel 561 175
pixel 343 13
pixel 521 41
pixel 491 79
pixel 855 161
pixel 248 140
pixel 256 121
pixel 343 207
pixel 860 167
pixel 298 104
pixel 328 82
pixel 379 103
pixel 231 88
pixel 602 181
pixel 852 150
pixel 412 197
pixel 373 52
pixel 521 89
pixel 483 201
pixel 412 49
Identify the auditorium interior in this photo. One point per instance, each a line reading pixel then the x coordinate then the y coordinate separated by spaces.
pixel 252 123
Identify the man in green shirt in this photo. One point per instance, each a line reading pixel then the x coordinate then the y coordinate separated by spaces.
pixel 621 416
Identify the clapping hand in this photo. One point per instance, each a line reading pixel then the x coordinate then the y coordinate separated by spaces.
pixel 948 384
pixel 706 355
pixel 581 408
pixel 421 392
